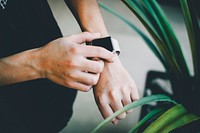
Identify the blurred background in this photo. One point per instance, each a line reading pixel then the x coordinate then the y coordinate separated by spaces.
pixel 135 56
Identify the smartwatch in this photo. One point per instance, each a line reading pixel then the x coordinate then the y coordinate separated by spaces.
pixel 108 43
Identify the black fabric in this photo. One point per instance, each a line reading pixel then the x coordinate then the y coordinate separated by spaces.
pixel 37 106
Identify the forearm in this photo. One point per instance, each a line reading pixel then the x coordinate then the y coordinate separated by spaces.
pixel 18 68
pixel 111 92
pixel 88 15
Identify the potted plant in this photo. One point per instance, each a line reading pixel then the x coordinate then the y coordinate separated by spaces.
pixel 182 114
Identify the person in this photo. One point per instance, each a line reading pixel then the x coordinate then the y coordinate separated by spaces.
pixel 39 67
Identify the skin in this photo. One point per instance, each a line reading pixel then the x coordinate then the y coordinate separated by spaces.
pixel 63 61
pixel 66 62
pixel 115 87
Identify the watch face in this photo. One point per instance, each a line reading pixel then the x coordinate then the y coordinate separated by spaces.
pixel 108 43
pixel 103 42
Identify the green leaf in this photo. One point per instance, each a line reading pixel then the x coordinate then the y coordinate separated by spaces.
pixel 149 43
pixel 193 30
pixel 173 66
pixel 184 120
pixel 169 36
pixel 165 122
pixel 139 11
pixel 154 19
pixel 146 118
pixel 142 101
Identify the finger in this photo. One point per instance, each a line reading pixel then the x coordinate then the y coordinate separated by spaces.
pixel 84 37
pixel 86 78
pixel 134 93
pixel 117 106
pixel 115 121
pixel 80 86
pixel 106 111
pixel 92 66
pixel 126 101
pixel 134 96
pixel 97 52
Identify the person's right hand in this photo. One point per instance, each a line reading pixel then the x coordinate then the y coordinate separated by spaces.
pixel 67 63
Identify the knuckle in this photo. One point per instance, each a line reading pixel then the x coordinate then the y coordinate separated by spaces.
pixel 72 64
pixel 101 100
pixel 69 75
pixel 74 50
pixel 113 95
pixel 132 86
pixel 124 90
pixel 65 75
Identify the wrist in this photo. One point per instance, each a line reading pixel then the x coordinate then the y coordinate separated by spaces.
pixel 35 62
pixel 115 63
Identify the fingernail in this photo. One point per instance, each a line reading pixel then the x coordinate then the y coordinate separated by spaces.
pixel 115 121
pixel 129 111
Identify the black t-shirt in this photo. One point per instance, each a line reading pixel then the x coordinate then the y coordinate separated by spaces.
pixel 37 106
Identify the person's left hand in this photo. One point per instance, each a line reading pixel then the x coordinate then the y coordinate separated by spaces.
pixel 114 90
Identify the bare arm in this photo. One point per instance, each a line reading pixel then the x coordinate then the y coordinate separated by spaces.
pixel 88 15
pixel 63 61
pixel 18 68
pixel 115 87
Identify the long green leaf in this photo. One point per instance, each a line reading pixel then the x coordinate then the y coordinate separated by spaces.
pixel 174 70
pixel 149 43
pixel 193 30
pixel 165 52
pixel 135 4
pixel 184 120
pixel 168 117
pixel 169 36
pixel 154 18
pixel 146 118
pixel 142 101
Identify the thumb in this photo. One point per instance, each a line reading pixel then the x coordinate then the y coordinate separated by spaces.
pixel 85 37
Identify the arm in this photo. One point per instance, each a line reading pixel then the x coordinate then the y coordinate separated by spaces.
pixel 64 61
pixel 88 15
pixel 18 68
pixel 115 87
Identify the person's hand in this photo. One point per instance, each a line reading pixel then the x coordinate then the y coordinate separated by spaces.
pixel 67 63
pixel 114 90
